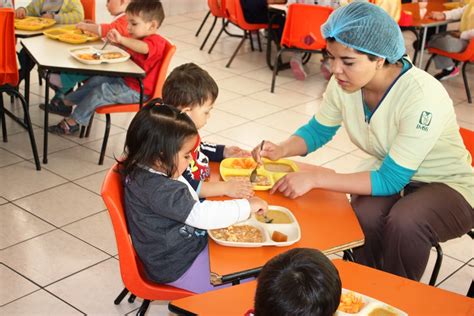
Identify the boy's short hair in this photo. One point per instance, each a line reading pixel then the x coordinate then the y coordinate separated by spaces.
pixel 148 10
pixel 189 85
pixel 301 281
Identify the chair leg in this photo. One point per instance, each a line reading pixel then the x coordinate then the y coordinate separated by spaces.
pixel 251 41
pixel 437 266
pixel 132 298
pixel 428 64
pixel 202 23
pixel 83 131
pixel 237 49
pixel 4 125
pixel 259 41
pixel 106 139
pixel 470 292
pixel 348 255
pixel 142 310
pixel 224 24
pixel 40 79
pixel 89 127
pixel 120 297
pixel 466 83
pixel 208 33
pixel 275 69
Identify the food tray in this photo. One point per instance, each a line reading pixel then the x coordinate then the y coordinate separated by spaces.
pixel 244 166
pixel 86 50
pixel 452 5
pixel 70 34
pixel 370 305
pixel 32 23
pixel 292 230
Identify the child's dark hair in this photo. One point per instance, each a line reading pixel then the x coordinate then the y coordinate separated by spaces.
pixel 148 10
pixel 301 281
pixel 155 135
pixel 189 85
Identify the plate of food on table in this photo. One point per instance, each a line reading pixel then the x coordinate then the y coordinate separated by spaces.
pixel 94 56
pixel 356 304
pixel 70 34
pixel 33 23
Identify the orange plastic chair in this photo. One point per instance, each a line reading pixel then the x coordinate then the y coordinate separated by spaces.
pixel 131 267
pixel 302 31
pixel 468 140
pixel 9 79
pixel 236 16
pixel 89 9
pixel 218 13
pixel 170 49
pixel 466 57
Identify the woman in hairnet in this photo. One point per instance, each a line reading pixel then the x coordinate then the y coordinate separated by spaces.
pixel 417 188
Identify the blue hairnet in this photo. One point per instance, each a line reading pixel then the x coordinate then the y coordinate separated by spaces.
pixel 366 28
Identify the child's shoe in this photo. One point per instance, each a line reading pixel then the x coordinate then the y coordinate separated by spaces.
pixel 58 107
pixel 447 73
pixel 63 128
pixel 297 67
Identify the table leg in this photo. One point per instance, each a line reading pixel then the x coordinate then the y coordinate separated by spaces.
pixel 422 48
pixel 46 117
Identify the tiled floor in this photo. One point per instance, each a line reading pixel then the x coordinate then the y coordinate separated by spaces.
pixel 58 253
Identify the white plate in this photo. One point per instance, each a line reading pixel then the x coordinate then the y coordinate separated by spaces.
pixel 370 305
pixel 292 230
pixel 75 52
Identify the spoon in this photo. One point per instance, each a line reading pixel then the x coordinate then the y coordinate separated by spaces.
pixel 253 175
pixel 98 53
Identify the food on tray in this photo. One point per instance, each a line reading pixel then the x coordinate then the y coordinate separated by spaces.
pixel 279 237
pixel 88 56
pixel 277 217
pixel 243 233
pixel 244 163
pixel 112 55
pixel 72 38
pixel 259 180
pixel 381 311
pixel 350 303
pixel 33 23
pixel 278 167
pixel 55 32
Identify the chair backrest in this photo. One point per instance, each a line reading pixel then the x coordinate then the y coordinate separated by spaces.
pixel 468 139
pixel 170 49
pixel 89 9
pixel 131 267
pixel 216 10
pixel 303 26
pixel 235 14
pixel 8 64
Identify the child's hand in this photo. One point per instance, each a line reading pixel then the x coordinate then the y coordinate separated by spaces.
pixel 238 189
pixel 257 205
pixel 20 13
pixel 114 36
pixel 48 16
pixel 81 26
pixel 234 151
pixel 437 15
pixel 87 21
pixel 269 150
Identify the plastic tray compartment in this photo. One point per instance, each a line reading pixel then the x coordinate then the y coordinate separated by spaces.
pixel 292 230
pixel 80 52
pixel 32 23
pixel 370 306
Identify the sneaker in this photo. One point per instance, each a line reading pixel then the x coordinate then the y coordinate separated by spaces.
pixel 58 107
pixel 446 74
pixel 297 68
pixel 63 128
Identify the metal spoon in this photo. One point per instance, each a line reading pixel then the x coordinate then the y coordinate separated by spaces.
pixel 98 53
pixel 253 175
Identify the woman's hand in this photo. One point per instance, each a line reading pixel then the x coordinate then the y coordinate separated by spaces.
pixel 257 205
pixel 234 151
pixel 20 13
pixel 238 189
pixel 48 16
pixel 269 150
pixel 114 36
pixel 456 34
pixel 437 15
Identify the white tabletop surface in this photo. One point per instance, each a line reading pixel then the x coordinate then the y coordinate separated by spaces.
pixel 54 55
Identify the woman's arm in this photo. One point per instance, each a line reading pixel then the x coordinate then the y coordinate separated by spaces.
pixel 71 12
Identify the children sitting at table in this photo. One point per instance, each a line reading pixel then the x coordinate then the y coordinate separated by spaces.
pixel 453 41
pixel 62 11
pixel 166 220
pixel 64 82
pixel 6 4
pixel 146 49
pixel 301 281
pixel 193 91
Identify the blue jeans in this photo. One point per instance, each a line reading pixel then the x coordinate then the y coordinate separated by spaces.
pixel 99 91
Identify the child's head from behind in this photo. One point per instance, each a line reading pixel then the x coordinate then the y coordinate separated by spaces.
pixel 144 17
pixel 115 7
pixel 160 137
pixel 192 90
pixel 301 281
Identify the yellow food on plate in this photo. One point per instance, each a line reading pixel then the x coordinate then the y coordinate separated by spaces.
pixel 243 233
pixel 112 55
pixel 350 303
pixel 259 180
pixel 87 56
pixel 279 237
pixel 381 311
pixel 33 23
pixel 277 167
pixel 278 217
pixel 244 163
pixel 72 38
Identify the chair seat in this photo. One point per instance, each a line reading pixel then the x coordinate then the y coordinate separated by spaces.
pixel 118 108
pixel 462 56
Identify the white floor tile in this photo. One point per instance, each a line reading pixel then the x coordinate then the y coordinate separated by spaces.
pixel 460 281
pixel 252 134
pixel 248 108
pixel 13 286
pixel 92 182
pixel 283 98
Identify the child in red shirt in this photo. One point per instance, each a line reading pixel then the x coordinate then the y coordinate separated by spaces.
pixel 146 49
pixel 64 82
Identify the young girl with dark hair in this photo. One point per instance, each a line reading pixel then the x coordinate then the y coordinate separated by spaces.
pixel 166 220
